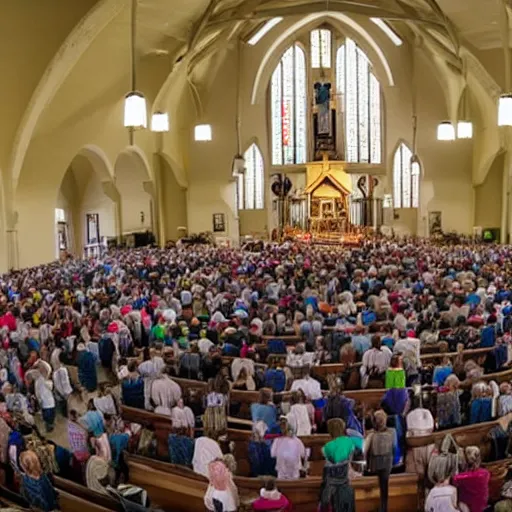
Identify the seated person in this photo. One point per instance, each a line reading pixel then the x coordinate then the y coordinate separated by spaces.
pixel 271 499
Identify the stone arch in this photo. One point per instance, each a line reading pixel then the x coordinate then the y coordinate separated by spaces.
pixel 273 54
pixel 87 188
pixel 134 181
pixel 56 72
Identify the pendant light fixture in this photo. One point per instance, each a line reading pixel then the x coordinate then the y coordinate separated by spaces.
pixel 445 131
pixel 135 115
pixel 160 119
pixel 415 162
pixel 505 101
pixel 202 131
pixel 464 125
pixel 238 160
pixel 160 122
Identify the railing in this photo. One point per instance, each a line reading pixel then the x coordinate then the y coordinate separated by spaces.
pixel 95 250
pixel 366 212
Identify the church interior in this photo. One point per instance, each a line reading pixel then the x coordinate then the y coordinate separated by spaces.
pixel 370 115
pixel 255 255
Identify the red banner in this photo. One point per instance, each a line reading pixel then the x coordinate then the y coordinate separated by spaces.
pixel 286 122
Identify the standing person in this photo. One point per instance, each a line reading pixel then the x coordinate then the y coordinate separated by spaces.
pixel 43 390
pixel 36 487
pixel 264 411
pixel 215 417
pixel 379 454
pixel 289 452
pixel 473 484
pixel 271 499
pixel 61 384
pixel 86 368
pixel 222 493
pixel 299 417
pixel 375 363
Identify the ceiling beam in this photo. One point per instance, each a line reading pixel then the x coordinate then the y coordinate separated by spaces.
pixel 450 27
pixel 318 6
pixel 198 28
pixel 448 55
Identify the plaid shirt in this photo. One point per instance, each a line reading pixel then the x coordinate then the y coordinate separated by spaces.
pixel 77 438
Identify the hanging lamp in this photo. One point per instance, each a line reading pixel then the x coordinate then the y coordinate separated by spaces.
pixel 160 122
pixel 238 159
pixel 505 101
pixel 160 119
pixel 464 125
pixel 202 131
pixel 415 162
pixel 135 115
pixel 445 131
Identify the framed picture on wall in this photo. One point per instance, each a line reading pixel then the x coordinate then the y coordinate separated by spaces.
pixel 435 223
pixel 93 228
pixel 219 223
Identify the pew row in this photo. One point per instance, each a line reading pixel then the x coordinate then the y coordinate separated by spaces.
pixel 69 501
pixel 163 427
pixel 469 435
pixel 370 398
pixel 181 490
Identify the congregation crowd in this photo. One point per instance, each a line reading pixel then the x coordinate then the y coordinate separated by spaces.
pixel 82 338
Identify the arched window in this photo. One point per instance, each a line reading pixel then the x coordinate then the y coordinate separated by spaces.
pixel 321 48
pixel 405 179
pixel 359 93
pixel 250 185
pixel 288 107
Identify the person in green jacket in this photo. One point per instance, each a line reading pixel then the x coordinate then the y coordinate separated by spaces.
pixel 395 374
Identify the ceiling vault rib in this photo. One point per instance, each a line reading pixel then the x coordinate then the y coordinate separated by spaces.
pixel 450 28
pixel 198 28
pixel 314 7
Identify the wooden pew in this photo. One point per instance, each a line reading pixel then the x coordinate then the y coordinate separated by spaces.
pixel 161 424
pixel 70 501
pixel 240 437
pixel 67 488
pixel 469 435
pixel 181 490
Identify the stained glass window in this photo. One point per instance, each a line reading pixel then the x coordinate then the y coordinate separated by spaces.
pixel 321 48
pixel 405 184
pixel 359 93
pixel 288 102
pixel 251 185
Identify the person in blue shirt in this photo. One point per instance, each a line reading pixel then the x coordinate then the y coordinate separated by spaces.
pixel 488 335
pixel 360 341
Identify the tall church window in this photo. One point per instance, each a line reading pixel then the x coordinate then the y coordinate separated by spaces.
pixel 359 93
pixel 321 48
pixel 251 184
pixel 288 107
pixel 405 181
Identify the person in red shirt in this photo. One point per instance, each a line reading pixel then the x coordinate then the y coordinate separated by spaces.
pixel 271 499
pixel 473 484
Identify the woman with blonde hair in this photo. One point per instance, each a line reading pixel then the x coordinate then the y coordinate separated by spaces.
pixel 36 487
pixel 473 484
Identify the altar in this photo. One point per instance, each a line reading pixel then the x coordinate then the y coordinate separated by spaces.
pixel 328 189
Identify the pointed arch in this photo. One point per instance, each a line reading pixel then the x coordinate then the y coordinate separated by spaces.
pixel 406 178
pixel 251 186
pixel 288 108
pixel 359 91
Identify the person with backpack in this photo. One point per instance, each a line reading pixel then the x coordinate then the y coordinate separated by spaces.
pixel 379 448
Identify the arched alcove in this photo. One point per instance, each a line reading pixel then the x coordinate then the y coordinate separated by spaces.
pixel 85 208
pixel 134 181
